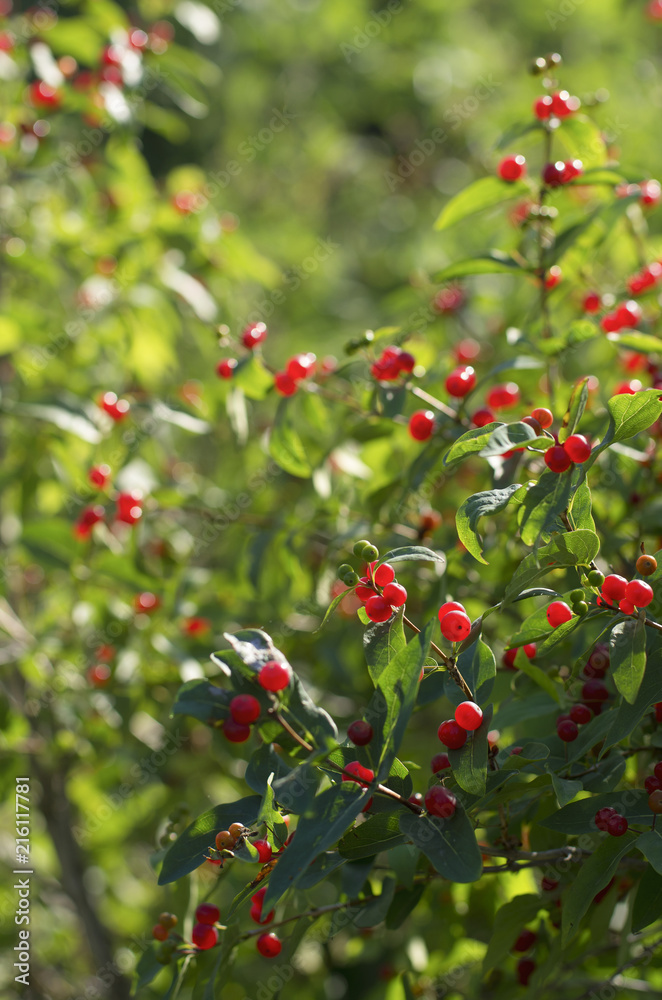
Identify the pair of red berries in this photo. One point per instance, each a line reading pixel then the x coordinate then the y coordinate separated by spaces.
pixel 628 596
pixel 561 172
pixel 608 820
pixel 510 654
pixel 300 367
pixel 253 334
pixel 205 934
pixel 560 104
pixel 645 279
pixel 574 450
pixel 392 363
pixel 453 732
pixel 245 709
pixel 116 409
pixel 567 725
pixel 626 316
pixel 379 606
pixel 454 621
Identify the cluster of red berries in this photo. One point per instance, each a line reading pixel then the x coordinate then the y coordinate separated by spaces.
pixel 392 363
pixel 378 590
pixel 245 709
pixel 608 820
pixel 647 278
pixel 560 104
pixel 117 409
pixel 575 450
pixel 624 317
pixel 627 596
pixel 453 732
pixel 298 368
pixel 454 621
pixel 653 784
pixel 561 172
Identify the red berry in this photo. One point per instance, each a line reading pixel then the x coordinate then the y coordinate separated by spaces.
pixel 395 594
pixel 594 692
pixel 563 104
pixel 460 381
pixel 44 96
pixel 364 589
pixel 510 654
pixel 99 675
pixel 468 349
pixel 406 362
pixel 360 733
pixel 469 715
pixel 603 816
pixel 99 475
pixel 581 714
pixel 253 335
pixel 378 608
pixel 284 384
pixel 577 448
pixel 440 802
pixel 235 732
pixel 657 771
pixel 269 945
pixel 639 593
pixel 264 850
pixel 525 969
pixel 542 107
pixel 204 936
pixel 452 735
pixel 651 784
pixel 359 774
pixel 383 574
pixel 549 884
pixel 129 507
pixel 448 300
pixel 572 169
pixel 598 661
pixel 421 425
pixel 439 762
pixel 567 730
pixel 501 397
pixel 456 625
pixel 207 913
pixel 614 587
pixel 116 408
pixel 257 916
pixel 512 168
pixel 557 459
pixel 627 607
pixel 301 366
pixel 225 368
pixel 88 517
pixel 557 613
pixel 245 709
pixel 553 277
pixel 617 826
pixel 450 606
pixel 482 417
pixel 159 932
pixel 650 192
pixel 274 676
pixel 658 711
pixel 526 940
pixel 628 314
pixel 533 424
pixel 592 302
pixel 655 801
pixel 552 174
pixel 544 417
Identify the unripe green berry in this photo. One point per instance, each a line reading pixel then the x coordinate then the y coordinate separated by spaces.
pixel 350 579
pixel 538 66
pixel 577 595
pixel 344 570
pixel 596 578
pixel 580 608
pixel 359 546
pixel 370 553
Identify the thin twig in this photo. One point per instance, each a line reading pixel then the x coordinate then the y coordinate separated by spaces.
pixel 448 661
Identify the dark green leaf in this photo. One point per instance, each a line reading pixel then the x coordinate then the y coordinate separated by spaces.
pixel 510 436
pixel 449 844
pixel 508 923
pixel 477 506
pixel 650 845
pixel 543 505
pixel 413 553
pixel 202 700
pixel 478 667
pixel 572 548
pixel 375 911
pixel 631 413
pixel 382 641
pixel 627 716
pixel 578 817
pixel 405 901
pixel 286 447
pixel 593 875
pixel 378 833
pixel 648 901
pixel 189 850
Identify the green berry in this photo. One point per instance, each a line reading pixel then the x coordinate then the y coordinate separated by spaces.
pixel 577 595
pixel 360 546
pixel 579 608
pixel 350 579
pixel 370 553
pixel 344 570
pixel 596 578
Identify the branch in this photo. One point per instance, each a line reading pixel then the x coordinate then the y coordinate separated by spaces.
pixel 448 662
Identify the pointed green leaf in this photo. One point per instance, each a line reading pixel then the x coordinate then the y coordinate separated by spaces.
pixel 477 506
pixel 508 923
pixel 189 850
pixel 450 844
pixel 470 443
pixel 648 901
pixel 488 192
pixel 631 413
pixel 593 875
pixel 575 411
pixel 377 834
pixel 627 652
pixel 493 262
pixel 650 845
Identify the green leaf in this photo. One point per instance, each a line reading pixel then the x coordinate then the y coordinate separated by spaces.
pixel 469 763
pixel 553 688
pixel 148 967
pixel 578 817
pixel 508 923
pixel 404 902
pixel 477 506
pixel 62 418
pixel 565 789
pixel 332 813
pixel 253 378
pixel 470 443
pixel 648 901
pixel 627 652
pixel 449 844
pixel 263 762
pixel 643 343
pixel 331 608
pixel 581 506
pixel 571 548
pixel 627 717
pixel 477 665
pixel 286 447
pixel 631 413
pixel 593 875
pixel 189 850
pixel 412 553
pixel 382 641
pixel 517 131
pixel 543 505
pixel 650 845
pixel 575 410
pixel 377 834
pixel 202 700
pixel 510 436
pixel 487 192
pixel 492 262
pixel 375 911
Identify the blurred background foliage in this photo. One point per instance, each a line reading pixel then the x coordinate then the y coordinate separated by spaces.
pixel 282 161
